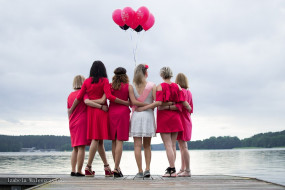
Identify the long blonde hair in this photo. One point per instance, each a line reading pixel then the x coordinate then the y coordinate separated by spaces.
pixel 139 74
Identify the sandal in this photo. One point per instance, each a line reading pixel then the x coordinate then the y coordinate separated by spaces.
pixel 180 171
pixel 186 173
pixel 170 172
pixel 108 172
pixel 116 173
pixel 88 171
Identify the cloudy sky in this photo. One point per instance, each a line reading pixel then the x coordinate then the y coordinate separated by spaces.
pixel 232 52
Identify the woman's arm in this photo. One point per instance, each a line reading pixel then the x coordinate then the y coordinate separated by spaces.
pixel 107 91
pixel 187 106
pixel 70 110
pixel 91 103
pixel 101 101
pixel 169 107
pixel 133 99
pixel 149 106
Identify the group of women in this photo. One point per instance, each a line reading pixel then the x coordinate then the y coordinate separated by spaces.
pixel 91 124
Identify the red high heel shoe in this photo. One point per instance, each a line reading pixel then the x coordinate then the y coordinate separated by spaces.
pixel 108 172
pixel 88 171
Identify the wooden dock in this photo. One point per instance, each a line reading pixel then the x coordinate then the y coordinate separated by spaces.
pixel 157 182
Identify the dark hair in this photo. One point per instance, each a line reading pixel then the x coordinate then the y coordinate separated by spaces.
pixel 119 77
pixel 97 71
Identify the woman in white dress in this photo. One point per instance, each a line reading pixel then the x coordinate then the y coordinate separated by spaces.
pixel 142 125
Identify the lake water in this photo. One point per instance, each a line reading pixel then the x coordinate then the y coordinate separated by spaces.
pixel 265 164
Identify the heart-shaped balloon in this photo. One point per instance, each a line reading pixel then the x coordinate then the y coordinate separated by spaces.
pixel 117 17
pixel 128 15
pixel 149 23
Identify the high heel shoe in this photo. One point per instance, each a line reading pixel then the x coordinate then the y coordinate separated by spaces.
pixel 88 171
pixel 108 172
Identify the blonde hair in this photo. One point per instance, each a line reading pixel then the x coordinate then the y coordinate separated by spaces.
pixel 182 80
pixel 78 81
pixel 139 74
pixel 119 77
pixel 166 73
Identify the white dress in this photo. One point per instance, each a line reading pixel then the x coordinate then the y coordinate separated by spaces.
pixel 142 123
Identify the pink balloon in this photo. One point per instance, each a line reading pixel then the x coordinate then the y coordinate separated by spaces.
pixel 149 23
pixel 142 15
pixel 128 15
pixel 135 22
pixel 117 17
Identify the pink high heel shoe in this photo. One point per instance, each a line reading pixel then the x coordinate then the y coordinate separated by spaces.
pixel 89 172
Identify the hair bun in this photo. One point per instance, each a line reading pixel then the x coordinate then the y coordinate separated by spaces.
pixel 120 71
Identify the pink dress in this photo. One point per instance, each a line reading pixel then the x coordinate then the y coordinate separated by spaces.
pixel 169 121
pixel 185 135
pixel 97 119
pixel 77 122
pixel 119 115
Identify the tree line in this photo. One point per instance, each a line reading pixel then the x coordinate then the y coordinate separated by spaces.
pixel 62 143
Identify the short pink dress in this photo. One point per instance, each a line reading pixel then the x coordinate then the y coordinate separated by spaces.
pixel 78 122
pixel 97 119
pixel 169 121
pixel 119 115
pixel 185 135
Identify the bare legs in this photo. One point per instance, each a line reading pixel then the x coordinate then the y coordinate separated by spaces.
pixel 77 157
pixel 117 149
pixel 185 158
pixel 147 151
pixel 97 145
pixel 169 141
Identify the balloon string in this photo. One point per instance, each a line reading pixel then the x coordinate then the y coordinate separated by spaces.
pixel 138 37
pixel 131 36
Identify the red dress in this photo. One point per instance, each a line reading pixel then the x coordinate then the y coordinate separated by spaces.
pixel 97 119
pixel 119 115
pixel 185 135
pixel 169 121
pixel 77 122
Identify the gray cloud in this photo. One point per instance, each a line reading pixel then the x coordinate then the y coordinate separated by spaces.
pixel 232 52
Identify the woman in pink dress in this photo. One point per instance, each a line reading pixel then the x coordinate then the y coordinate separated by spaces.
pixel 78 128
pixel 78 125
pixel 168 121
pixel 185 135
pixel 119 117
pixel 97 120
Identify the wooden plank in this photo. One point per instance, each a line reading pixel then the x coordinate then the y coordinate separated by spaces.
pixel 157 182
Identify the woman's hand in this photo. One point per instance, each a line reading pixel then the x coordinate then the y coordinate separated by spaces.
pixel 139 109
pixel 105 108
pixel 162 107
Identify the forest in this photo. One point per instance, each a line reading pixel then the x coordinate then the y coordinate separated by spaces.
pixel 62 143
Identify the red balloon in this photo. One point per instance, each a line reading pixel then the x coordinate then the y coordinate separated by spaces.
pixel 135 22
pixel 117 17
pixel 149 23
pixel 128 15
pixel 142 15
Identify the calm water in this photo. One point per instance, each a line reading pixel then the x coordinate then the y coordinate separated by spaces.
pixel 266 164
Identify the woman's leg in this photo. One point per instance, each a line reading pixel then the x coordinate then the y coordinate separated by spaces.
pixel 114 149
pixel 173 140
pixel 102 153
pixel 138 155
pixel 73 159
pixel 185 154
pixel 166 138
pixel 118 153
pixel 147 151
pixel 80 158
pixel 92 151
pixel 182 168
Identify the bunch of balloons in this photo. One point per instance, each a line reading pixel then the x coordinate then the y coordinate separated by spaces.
pixel 138 20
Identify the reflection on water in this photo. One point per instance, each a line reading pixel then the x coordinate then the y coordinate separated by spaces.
pixel 266 164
